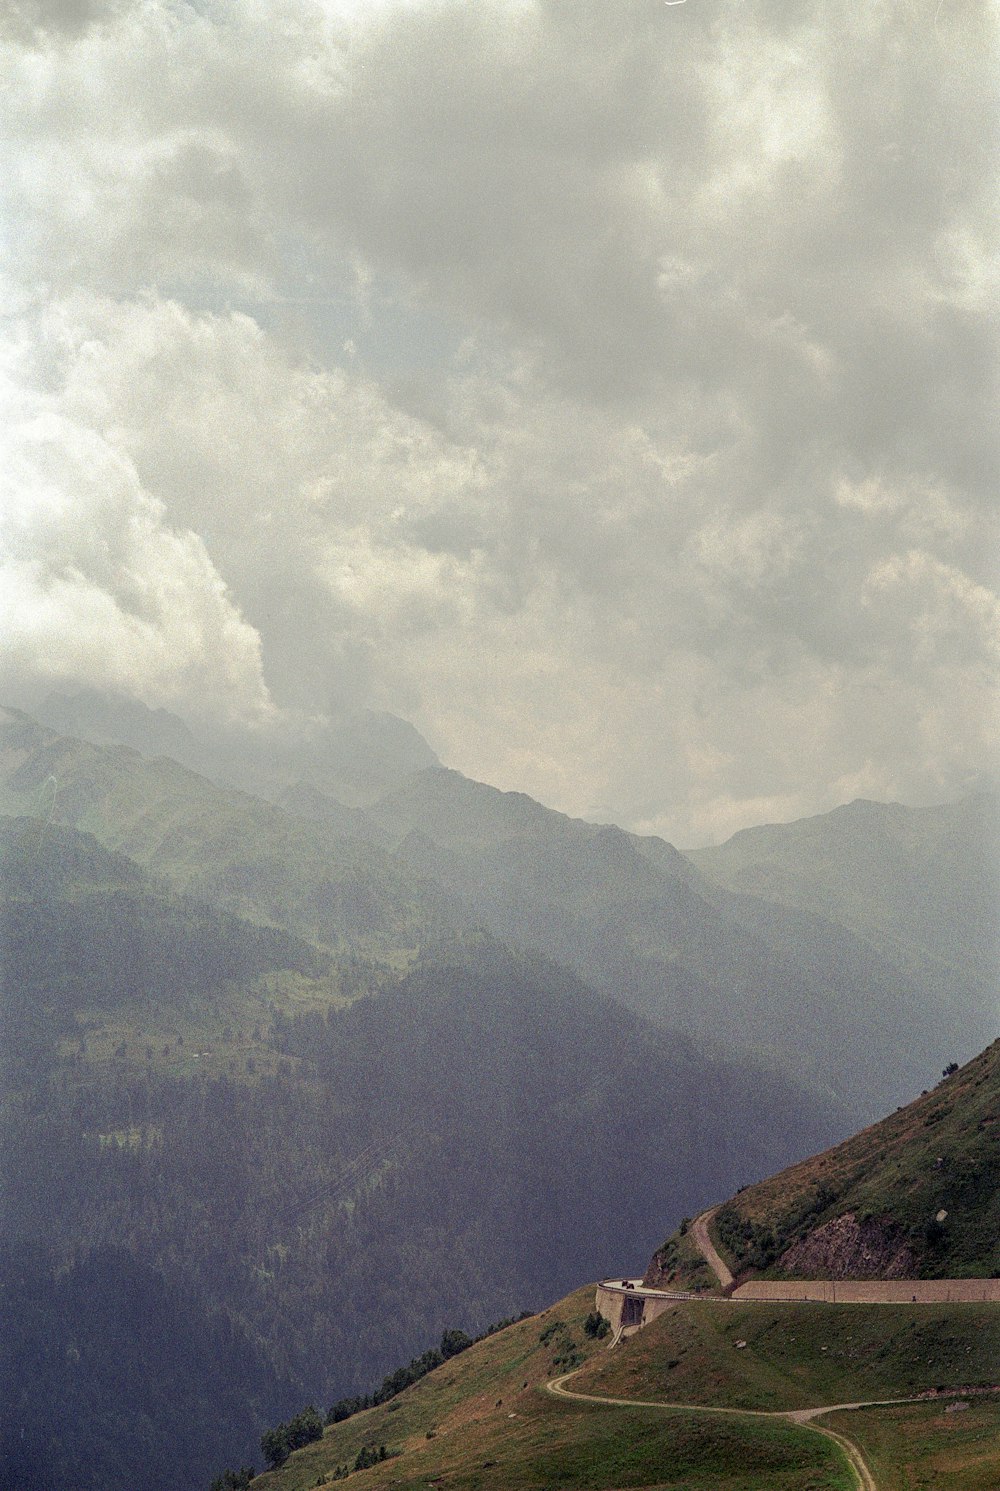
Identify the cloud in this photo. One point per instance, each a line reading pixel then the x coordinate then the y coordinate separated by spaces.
pixel 657 476
pixel 97 584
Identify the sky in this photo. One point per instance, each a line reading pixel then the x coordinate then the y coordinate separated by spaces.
pixel 608 388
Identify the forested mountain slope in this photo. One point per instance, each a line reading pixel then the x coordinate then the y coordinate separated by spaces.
pixel 111 1376
pixel 85 932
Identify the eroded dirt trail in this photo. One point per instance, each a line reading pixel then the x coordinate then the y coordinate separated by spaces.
pixel 699 1228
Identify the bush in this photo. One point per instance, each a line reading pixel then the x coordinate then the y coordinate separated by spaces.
pixel 368 1456
pixel 234 1480
pixel 596 1326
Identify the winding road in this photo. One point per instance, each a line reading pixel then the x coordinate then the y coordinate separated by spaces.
pixel 804 1417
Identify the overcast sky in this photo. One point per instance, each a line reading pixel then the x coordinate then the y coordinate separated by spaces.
pixel 606 386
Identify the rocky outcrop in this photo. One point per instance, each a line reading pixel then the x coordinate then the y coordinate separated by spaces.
pixel 846 1248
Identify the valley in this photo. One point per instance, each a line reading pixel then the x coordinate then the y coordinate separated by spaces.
pixel 329 1079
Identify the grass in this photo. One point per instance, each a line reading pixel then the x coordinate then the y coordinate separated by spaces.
pixel 940 1154
pixel 680 1263
pixel 922 1447
pixel 929 1175
pixel 483 1421
pixel 800 1356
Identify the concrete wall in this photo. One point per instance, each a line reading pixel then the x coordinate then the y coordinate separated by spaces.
pixel 628 1309
pixel 638 1305
pixel 872 1291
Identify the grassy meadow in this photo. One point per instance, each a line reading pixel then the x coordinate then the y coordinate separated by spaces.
pixel 800 1356
pixel 926 1447
pixel 484 1422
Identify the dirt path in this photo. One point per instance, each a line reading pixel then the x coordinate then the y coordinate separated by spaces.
pixel 804 1417
pixel 699 1228
pixel 841 1291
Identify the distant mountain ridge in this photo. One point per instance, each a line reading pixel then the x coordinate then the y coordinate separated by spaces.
pixel 357 756
pixel 218 844
pixel 824 999
pixel 633 916
pixel 921 884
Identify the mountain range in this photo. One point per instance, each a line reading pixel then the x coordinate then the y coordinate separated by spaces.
pixel 326 1074
pixel 815 988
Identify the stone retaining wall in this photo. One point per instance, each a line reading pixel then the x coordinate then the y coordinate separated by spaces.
pixel 627 1309
pixel 872 1291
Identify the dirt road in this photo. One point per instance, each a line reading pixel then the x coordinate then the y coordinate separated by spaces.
pixel 842 1291
pixel 804 1417
pixel 699 1229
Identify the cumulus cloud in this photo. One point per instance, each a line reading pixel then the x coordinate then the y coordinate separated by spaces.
pixel 96 583
pixel 607 388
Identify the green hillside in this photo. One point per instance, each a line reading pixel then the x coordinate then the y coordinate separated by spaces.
pixel 484 1421
pixel 218 845
pixel 916 1195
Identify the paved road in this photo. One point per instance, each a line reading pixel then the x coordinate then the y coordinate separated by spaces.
pixel 699 1228
pixel 804 1417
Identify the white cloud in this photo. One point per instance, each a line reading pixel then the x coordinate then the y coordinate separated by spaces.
pixel 658 472
pixel 97 584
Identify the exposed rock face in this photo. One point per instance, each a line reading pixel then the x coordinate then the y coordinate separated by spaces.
pixel 845 1248
pixel 662 1270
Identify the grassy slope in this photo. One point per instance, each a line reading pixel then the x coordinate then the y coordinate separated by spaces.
pixel 800 1356
pixel 483 1421
pixel 941 1152
pixel 923 1447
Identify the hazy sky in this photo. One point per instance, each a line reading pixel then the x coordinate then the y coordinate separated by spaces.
pixel 609 388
